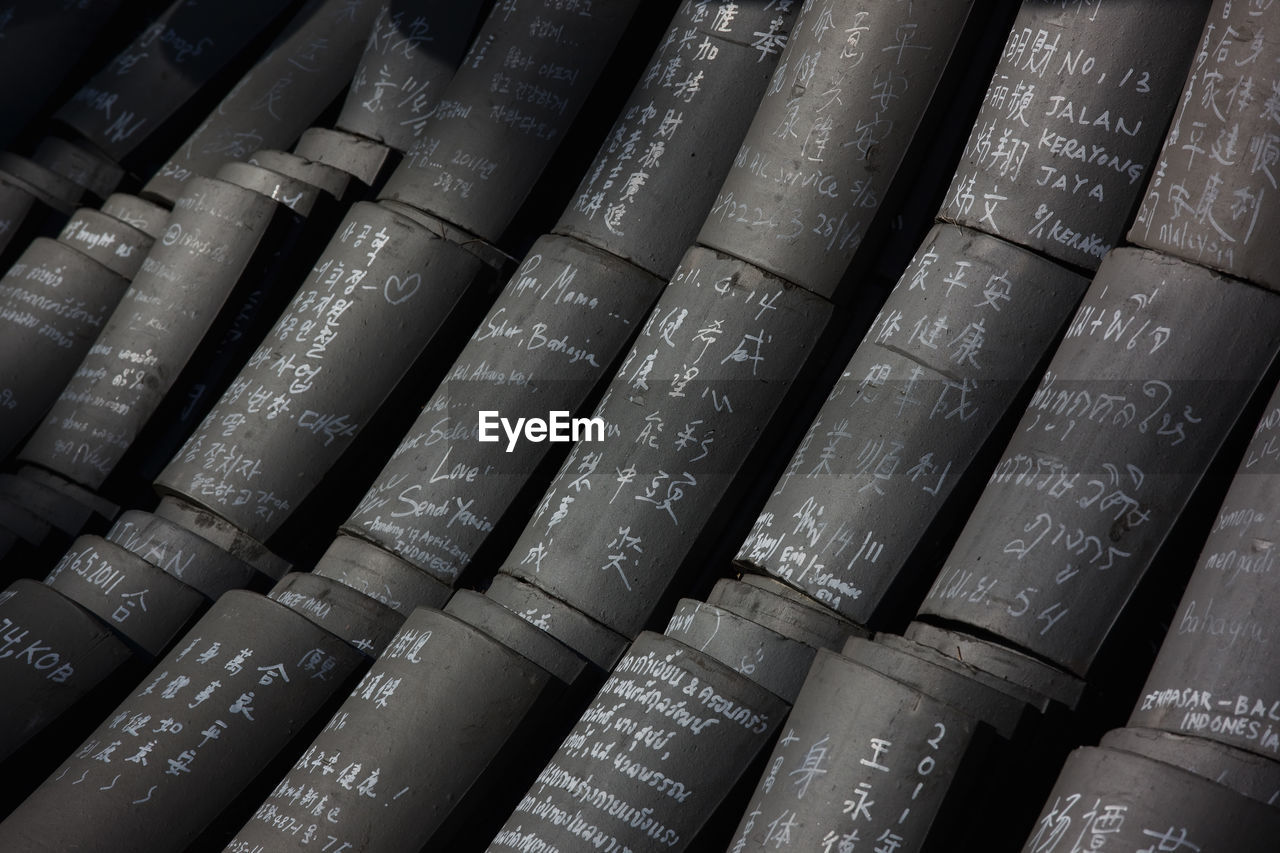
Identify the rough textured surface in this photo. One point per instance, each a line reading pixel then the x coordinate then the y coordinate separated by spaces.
pixel 172 301
pixel 319 375
pixel 949 685
pixel 943 361
pixel 279 97
pixel 58 653
pixel 359 157
pixel 497 122
pixel 716 356
pixel 850 90
pixel 359 620
pixel 54 303
pixel 149 80
pixel 775 662
pixel 224 534
pixel 667 715
pixel 888 752
pixel 562 320
pixel 205 722
pixel 1217 676
pixel 651 184
pixel 481 612
pixel 146 605
pixel 770 607
pixel 187 556
pixel 1154 370
pixel 1211 199
pixel 381 575
pixel 146 216
pixel 584 635
pixel 1244 772
pixel 460 716
pixel 1076 110
pixel 409 56
pixel 1131 801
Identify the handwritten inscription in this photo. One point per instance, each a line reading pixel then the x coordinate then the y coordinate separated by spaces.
pixel 1252 722
pixel 878 776
pixel 53 303
pixel 504 112
pixel 1209 201
pixel 329 783
pixel 1060 149
pixel 98 241
pixel 268 107
pixel 628 775
pixel 393 39
pixel 843 104
pixel 561 321
pixel 712 361
pixel 200 725
pixel 18 643
pixel 1215 675
pixel 170 556
pixel 351 792
pixel 408 59
pixel 295 353
pixel 314 381
pixel 1091 809
pixel 666 121
pixel 524 94
pixel 1089 486
pixel 151 77
pixel 938 367
pixel 148 339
